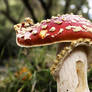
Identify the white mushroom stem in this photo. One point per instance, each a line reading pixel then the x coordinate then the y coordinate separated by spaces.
pixel 73 73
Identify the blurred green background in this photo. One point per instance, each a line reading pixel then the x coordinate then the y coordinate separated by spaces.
pixel 27 70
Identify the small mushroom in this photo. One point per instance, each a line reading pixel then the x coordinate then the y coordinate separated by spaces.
pixel 73 33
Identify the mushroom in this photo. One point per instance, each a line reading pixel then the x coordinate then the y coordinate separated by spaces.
pixel 73 33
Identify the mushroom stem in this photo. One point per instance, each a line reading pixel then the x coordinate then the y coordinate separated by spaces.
pixel 72 76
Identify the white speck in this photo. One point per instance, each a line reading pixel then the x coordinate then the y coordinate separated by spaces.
pixel 77 29
pixel 54 17
pixel 58 22
pixel 55 34
pixel 52 29
pixel 84 26
pixel 52 36
pixel 20 35
pixel 43 21
pixel 48 20
pixel 73 21
pixel 23 30
pixel 61 30
pixel 27 35
pixel 68 27
pixel 44 26
pixel 26 24
pixel 34 32
pixel 28 29
pixel 37 24
pixel 47 34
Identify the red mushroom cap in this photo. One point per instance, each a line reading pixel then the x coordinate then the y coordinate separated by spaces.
pixel 65 28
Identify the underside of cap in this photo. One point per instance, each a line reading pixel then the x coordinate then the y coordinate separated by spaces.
pixel 59 61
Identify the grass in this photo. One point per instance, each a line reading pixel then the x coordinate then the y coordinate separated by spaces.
pixel 29 72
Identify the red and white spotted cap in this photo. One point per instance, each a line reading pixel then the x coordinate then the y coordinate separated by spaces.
pixel 62 28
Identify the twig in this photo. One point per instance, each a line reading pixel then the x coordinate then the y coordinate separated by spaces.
pixel 78 6
pixel 6 14
pixel 33 86
pixel 43 4
pixel 67 6
pixel 28 6
pixel 5 40
pixel 7 5
pixel 21 13
pixel 46 8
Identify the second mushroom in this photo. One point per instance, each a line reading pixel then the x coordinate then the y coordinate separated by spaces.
pixel 73 33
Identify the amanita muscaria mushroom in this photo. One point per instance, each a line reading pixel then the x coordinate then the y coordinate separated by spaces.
pixel 74 35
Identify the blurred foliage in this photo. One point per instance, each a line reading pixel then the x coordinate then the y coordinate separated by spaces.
pixel 37 60
pixel 30 72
